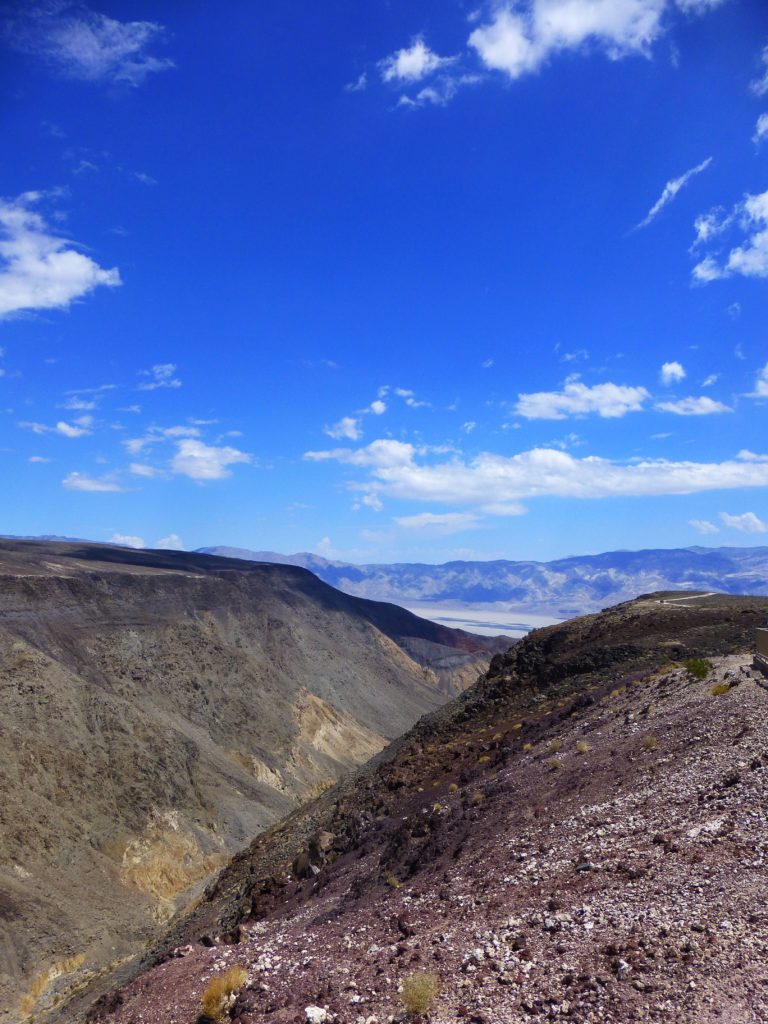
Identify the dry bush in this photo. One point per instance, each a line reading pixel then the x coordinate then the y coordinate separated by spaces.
pixel 555 764
pixel 583 747
pixel 419 993
pixel 650 742
pixel 527 747
pixel 719 689
pixel 554 746
pixel 453 788
pixel 477 799
pixel 219 991
pixel 484 759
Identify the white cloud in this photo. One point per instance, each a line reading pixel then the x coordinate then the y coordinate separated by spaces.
pixel 749 259
pixel 201 461
pixel 398 470
pixel 469 426
pixel 72 430
pixel 761 384
pixel 412 63
pixel 347 427
pixel 359 85
pixel 80 427
pixel 672 372
pixel 487 364
pixel 83 44
pixel 172 542
pixel 713 378
pixel 127 541
pixel 440 523
pixel 760 85
pixel 703 406
pixel 748 522
pixel 671 189
pixel 698 6
pixel 703 526
pixel 141 469
pixel 520 38
pixel 378 407
pixel 82 482
pixel 761 129
pixel 410 399
pixel 162 375
pixel 38 269
pixel 38 458
pixel 578 399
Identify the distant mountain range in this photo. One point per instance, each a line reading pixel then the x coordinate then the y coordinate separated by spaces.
pixel 564 587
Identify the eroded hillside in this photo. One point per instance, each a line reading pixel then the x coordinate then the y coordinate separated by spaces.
pixel 158 710
pixel 582 836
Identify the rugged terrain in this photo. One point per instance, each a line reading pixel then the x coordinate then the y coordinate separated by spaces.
pixel 582 836
pixel 157 711
pixel 562 588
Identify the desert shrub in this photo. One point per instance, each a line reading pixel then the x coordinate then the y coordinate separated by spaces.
pixel 554 746
pixel 484 759
pixel 719 689
pixel 650 743
pixel 419 993
pixel 555 764
pixel 497 737
pixel 477 799
pixel 583 747
pixel 453 788
pixel 220 990
pixel 394 882
pixel 527 747
pixel 699 668
pixel 517 726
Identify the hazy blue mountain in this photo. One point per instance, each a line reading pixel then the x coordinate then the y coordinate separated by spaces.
pixel 564 587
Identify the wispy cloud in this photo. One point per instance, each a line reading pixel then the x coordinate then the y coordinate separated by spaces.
pixel 761 129
pixel 759 86
pixel 162 375
pixel 38 268
pixel 78 428
pixel 703 526
pixel 348 427
pixel 577 399
pixel 439 523
pixel 761 384
pixel 671 189
pixel 748 522
pixel 127 541
pixel 82 482
pixel 703 406
pixel 84 44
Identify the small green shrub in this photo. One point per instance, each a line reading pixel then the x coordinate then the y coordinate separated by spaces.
pixel 453 788
pixel 419 993
pixel 719 689
pixel 650 742
pixel 699 668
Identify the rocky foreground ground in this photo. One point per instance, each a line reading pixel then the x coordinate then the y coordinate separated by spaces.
pixel 582 837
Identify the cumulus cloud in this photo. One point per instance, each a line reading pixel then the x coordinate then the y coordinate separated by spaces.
pixel 748 522
pixel 377 407
pixel 161 375
pixel 577 399
pixel 347 427
pixel 761 384
pixel 520 38
pixel 412 63
pixel 172 542
pixel 127 541
pixel 83 482
pixel 750 259
pixel 440 523
pixel 702 406
pixel 38 268
pixel 671 372
pixel 84 44
pixel 703 526
pixel 201 461
pixel 399 470
pixel 671 189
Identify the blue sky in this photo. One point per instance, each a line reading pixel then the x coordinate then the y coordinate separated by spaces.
pixel 386 281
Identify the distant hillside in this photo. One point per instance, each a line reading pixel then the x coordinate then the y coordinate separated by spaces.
pixel 564 587
pixel 158 710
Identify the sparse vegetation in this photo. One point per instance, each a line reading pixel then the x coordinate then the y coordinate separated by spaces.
pixel 419 993
pixel 699 668
pixel 219 992
pixel 555 764
pixel 394 882
pixel 583 747
pixel 477 799
pixel 484 759
pixel 453 788
pixel 554 746
pixel 527 747
pixel 719 689
pixel 650 743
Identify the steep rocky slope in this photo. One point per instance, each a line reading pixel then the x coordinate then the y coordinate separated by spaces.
pixel 582 836
pixel 157 710
pixel 563 587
